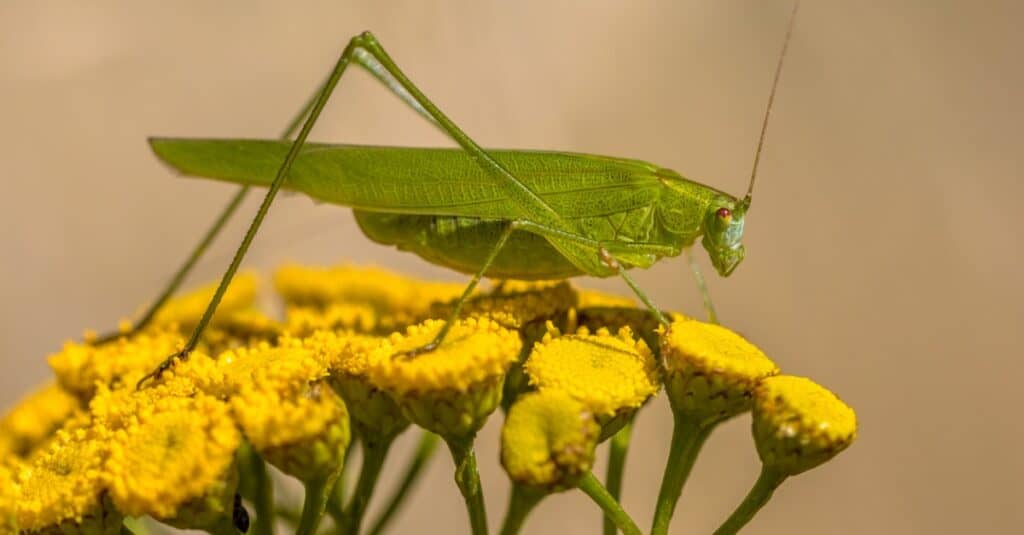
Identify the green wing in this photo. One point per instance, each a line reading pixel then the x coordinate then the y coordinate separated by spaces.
pixel 426 181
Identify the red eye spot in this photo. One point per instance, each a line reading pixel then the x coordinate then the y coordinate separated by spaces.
pixel 724 213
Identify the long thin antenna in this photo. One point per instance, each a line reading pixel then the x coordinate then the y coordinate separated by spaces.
pixel 771 100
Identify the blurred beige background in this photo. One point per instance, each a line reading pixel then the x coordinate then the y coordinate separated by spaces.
pixel 883 246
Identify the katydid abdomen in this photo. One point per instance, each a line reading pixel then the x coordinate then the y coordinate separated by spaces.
pixel 463 243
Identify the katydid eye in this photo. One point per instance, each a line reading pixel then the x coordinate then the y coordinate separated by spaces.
pixel 723 213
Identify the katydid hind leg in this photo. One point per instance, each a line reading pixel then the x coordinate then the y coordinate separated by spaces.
pixel 313 114
pixel 204 243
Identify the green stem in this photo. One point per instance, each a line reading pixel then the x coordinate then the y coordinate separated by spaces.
pixel 314 503
pixel 258 489
pixel 759 494
pixel 616 465
pixel 520 503
pixel 593 488
pixel 425 450
pixel 468 479
pixel 687 439
pixel 336 501
pixel 374 453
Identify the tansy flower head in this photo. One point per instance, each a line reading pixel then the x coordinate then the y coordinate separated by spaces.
pixel 453 388
pixel 383 290
pixel 711 371
pixel 281 368
pixel 374 414
pixel 79 367
pixel 174 460
pixel 515 304
pixel 305 320
pixel 548 440
pixel 612 375
pixel 60 489
pixel 34 419
pixel 799 424
pixel 184 311
pixel 303 431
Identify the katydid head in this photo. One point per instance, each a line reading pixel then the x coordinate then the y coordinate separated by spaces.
pixel 723 235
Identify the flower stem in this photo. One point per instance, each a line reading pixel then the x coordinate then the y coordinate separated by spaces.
pixel 616 465
pixel 759 494
pixel 468 479
pixel 317 492
pixel 374 453
pixel 425 450
pixel 258 489
pixel 687 439
pixel 593 488
pixel 520 503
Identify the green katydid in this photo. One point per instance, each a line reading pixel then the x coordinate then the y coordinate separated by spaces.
pixel 501 213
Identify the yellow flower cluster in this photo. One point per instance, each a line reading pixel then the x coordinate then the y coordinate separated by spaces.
pixel 356 347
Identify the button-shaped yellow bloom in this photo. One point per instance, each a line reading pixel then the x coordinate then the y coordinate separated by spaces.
pixel 8 495
pixel 35 418
pixel 798 424
pixel 174 459
pixel 711 371
pixel 374 413
pixel 60 489
pixel 452 389
pixel 384 290
pixel 303 432
pixel 548 440
pixel 516 304
pixel 612 375
pixel 79 367
pixel 288 415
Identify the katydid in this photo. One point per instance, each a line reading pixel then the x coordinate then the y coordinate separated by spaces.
pixel 502 213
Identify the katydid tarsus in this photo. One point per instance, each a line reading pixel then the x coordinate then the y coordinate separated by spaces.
pixel 501 213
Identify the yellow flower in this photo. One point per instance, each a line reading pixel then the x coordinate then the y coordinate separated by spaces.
pixel 184 311
pixel 374 414
pixel 305 320
pixel 79 367
pixel 452 389
pixel 710 371
pixel 278 399
pixel 611 375
pixel 384 290
pixel 282 368
pixel 548 440
pixel 35 418
pixel 60 489
pixel 303 432
pixel 799 424
pixel 174 457
pixel 515 304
